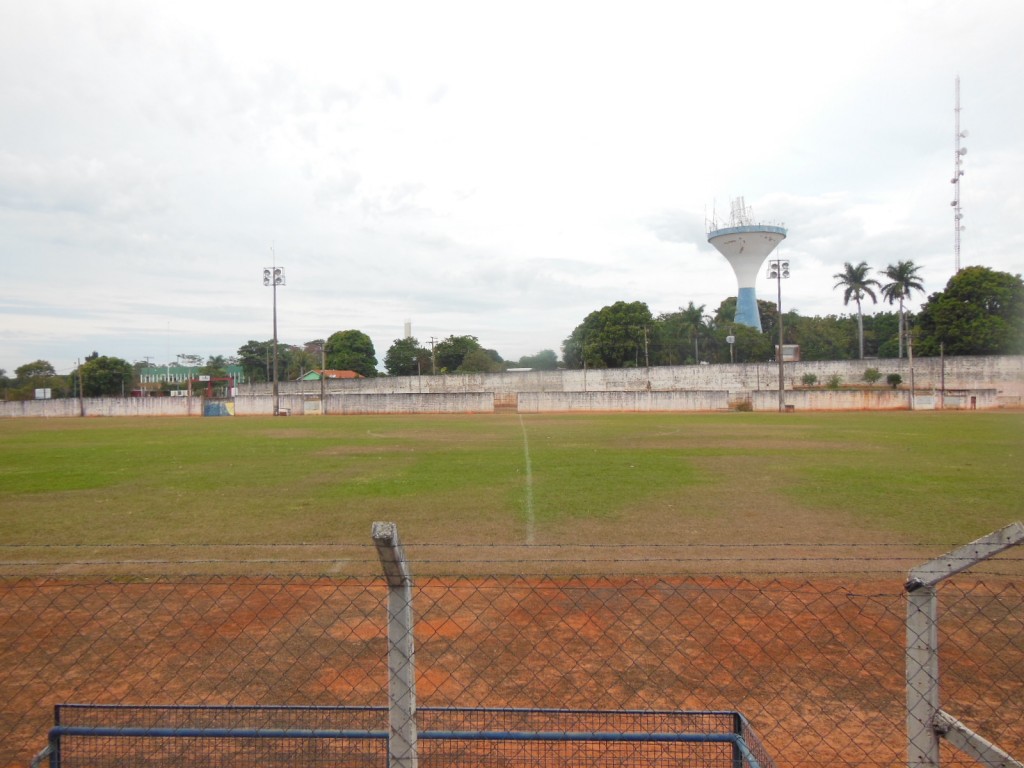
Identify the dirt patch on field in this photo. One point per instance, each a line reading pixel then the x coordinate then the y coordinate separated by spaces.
pixel 817 668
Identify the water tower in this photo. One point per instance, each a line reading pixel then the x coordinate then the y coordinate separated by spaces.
pixel 746 244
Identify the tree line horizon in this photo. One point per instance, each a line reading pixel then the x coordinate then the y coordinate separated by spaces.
pixel 980 312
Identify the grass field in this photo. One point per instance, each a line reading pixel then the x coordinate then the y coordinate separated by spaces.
pixel 937 479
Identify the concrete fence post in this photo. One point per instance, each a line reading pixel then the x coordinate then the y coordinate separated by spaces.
pixel 922 661
pixel 402 741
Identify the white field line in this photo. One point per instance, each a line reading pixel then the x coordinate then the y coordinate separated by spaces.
pixel 529 484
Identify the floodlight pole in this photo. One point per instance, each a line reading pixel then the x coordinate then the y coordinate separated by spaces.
pixel 779 268
pixel 274 276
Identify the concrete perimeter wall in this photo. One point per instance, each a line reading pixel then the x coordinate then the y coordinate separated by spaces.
pixel 872 400
pixel 348 404
pixel 992 381
pixel 263 405
pixel 471 402
pixel 103 406
pixel 553 402
pixel 1005 374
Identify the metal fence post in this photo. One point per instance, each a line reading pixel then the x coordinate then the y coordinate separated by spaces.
pixel 402 743
pixel 926 722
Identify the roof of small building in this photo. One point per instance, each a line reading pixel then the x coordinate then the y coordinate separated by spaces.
pixel 329 374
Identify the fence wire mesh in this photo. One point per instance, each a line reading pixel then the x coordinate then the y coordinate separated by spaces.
pixel 815 665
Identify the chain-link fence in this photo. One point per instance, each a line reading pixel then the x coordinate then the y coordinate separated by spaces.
pixel 815 664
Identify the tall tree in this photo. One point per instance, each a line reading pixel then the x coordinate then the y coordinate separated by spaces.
pixel 351 351
pixel 545 360
pixel 104 376
pixel 39 374
pixel 611 337
pixel 904 280
pixel 481 361
pixel 316 350
pixel 255 358
pixel 450 352
pixel 751 345
pixel 34 370
pixel 216 365
pixel 981 312
pixel 693 320
pixel 405 357
pixel 882 333
pixel 857 285
pixel 823 338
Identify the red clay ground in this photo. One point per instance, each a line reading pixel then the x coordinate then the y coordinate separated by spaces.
pixel 817 669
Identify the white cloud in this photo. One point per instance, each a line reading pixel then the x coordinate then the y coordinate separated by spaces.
pixel 499 171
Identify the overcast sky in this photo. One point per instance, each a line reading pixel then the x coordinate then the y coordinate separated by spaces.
pixel 493 169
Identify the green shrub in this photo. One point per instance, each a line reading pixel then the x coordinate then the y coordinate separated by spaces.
pixel 872 375
pixel 894 380
pixel 834 381
pixel 809 379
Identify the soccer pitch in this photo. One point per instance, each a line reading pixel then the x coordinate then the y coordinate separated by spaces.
pixel 930 478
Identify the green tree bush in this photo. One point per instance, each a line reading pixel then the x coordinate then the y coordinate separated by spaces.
pixel 351 351
pixel 405 357
pixel 872 375
pixel 481 361
pixel 104 376
pixel 611 337
pixel 545 360
pixel 449 353
pixel 255 359
pixel 980 312
pixel 39 374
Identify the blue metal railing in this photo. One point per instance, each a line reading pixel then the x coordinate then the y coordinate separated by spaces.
pixel 721 727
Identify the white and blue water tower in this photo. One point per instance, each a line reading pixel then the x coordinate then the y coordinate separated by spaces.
pixel 746 244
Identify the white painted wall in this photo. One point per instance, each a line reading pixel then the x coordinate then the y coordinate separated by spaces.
pixel 1004 374
pixel 871 400
pixel 103 406
pixel 635 402
pixel 472 402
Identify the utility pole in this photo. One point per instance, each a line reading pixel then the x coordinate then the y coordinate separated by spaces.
pixel 81 393
pixel 433 360
pixel 910 356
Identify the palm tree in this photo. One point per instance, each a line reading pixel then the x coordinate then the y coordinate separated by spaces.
pixel 693 318
pixel 904 280
pixel 857 285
